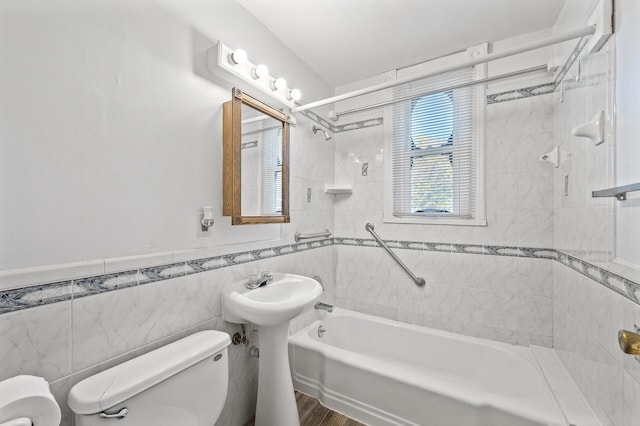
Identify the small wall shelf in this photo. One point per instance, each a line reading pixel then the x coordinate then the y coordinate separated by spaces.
pixel 620 192
pixel 330 188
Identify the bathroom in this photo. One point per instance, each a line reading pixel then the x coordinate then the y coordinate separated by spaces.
pixel 112 144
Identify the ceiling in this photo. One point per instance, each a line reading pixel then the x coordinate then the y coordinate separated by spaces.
pixel 350 40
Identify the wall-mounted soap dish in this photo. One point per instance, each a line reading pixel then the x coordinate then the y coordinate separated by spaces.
pixel 330 188
pixel 592 129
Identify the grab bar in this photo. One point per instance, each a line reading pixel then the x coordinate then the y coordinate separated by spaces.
pixel 419 281
pixel 298 236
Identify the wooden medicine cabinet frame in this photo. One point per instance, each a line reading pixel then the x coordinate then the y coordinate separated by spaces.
pixel 232 159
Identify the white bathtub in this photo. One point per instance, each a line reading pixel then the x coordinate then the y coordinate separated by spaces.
pixel 384 372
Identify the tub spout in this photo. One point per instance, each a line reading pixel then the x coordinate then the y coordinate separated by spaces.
pixel 324 306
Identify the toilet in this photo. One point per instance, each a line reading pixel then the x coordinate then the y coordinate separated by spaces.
pixel 183 383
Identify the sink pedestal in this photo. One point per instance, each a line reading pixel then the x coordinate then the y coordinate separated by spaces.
pixel 276 400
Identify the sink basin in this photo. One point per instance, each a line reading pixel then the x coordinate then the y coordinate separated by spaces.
pixel 278 302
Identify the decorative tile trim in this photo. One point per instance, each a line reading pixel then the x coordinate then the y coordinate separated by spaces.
pixel 539 253
pixel 623 286
pixel 318 119
pixel 356 125
pixel 338 128
pixel 525 92
pixel 22 298
pixel 42 294
pixel 540 89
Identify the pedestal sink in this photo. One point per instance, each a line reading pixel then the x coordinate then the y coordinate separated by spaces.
pixel 271 307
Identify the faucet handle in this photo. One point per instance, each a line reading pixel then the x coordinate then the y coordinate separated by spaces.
pixel 267 274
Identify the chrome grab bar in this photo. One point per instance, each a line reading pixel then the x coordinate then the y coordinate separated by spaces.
pixel 419 281
pixel 298 236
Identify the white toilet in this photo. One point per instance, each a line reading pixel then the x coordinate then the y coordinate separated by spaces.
pixel 184 383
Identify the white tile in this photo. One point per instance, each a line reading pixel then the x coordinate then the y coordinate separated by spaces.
pixel 535 228
pixel 631 412
pixel 502 155
pixel 610 386
pixel 104 326
pixel 129 263
pixel 502 191
pixel 564 389
pixel 535 276
pixel 16 278
pixel 36 341
pixel 161 306
pixel 203 295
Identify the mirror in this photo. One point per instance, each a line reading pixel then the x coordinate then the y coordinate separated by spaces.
pixel 255 161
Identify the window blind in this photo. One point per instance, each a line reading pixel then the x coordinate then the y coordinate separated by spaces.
pixel 272 170
pixel 433 155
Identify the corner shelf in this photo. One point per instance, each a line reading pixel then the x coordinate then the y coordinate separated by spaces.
pixel 619 192
pixel 337 189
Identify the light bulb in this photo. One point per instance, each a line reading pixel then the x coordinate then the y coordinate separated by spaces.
pixel 294 94
pixel 238 57
pixel 261 71
pixel 278 84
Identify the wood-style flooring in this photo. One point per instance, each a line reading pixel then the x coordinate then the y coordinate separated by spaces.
pixel 312 413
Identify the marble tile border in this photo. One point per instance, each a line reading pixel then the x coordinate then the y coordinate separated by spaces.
pixel 338 128
pixel 538 253
pixel 43 294
pixel 526 92
pixel 541 89
pixel 623 286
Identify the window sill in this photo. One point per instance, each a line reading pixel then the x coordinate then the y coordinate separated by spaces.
pixel 435 221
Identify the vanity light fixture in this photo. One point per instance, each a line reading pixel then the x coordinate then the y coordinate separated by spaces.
pixel 278 84
pixel 238 57
pixel 234 66
pixel 261 71
pixel 294 94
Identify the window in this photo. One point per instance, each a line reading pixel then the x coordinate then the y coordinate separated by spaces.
pixel 434 152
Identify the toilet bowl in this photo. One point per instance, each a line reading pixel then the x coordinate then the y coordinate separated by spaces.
pixel 184 383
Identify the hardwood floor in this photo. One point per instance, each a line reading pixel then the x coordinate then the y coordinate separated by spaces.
pixel 312 413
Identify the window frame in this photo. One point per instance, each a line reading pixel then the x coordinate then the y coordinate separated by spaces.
pixel 478 144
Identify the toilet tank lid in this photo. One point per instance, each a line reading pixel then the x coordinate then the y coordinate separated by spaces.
pixel 110 387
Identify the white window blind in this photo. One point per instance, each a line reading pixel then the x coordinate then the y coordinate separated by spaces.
pixel 433 154
pixel 272 170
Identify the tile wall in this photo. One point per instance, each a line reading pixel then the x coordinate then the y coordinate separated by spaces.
pixel 586 314
pixel 498 297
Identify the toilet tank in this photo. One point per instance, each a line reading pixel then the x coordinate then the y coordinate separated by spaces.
pixel 183 383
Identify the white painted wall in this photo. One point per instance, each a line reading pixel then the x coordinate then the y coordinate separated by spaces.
pixel 110 125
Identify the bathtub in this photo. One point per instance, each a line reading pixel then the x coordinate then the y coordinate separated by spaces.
pixel 383 372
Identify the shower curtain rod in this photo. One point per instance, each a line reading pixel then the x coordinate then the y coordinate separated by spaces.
pixel 471 62
pixel 443 89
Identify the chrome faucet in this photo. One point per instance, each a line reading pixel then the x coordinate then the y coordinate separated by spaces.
pixel 324 307
pixel 254 282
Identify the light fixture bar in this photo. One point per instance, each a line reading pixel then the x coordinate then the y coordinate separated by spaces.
pixel 235 67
